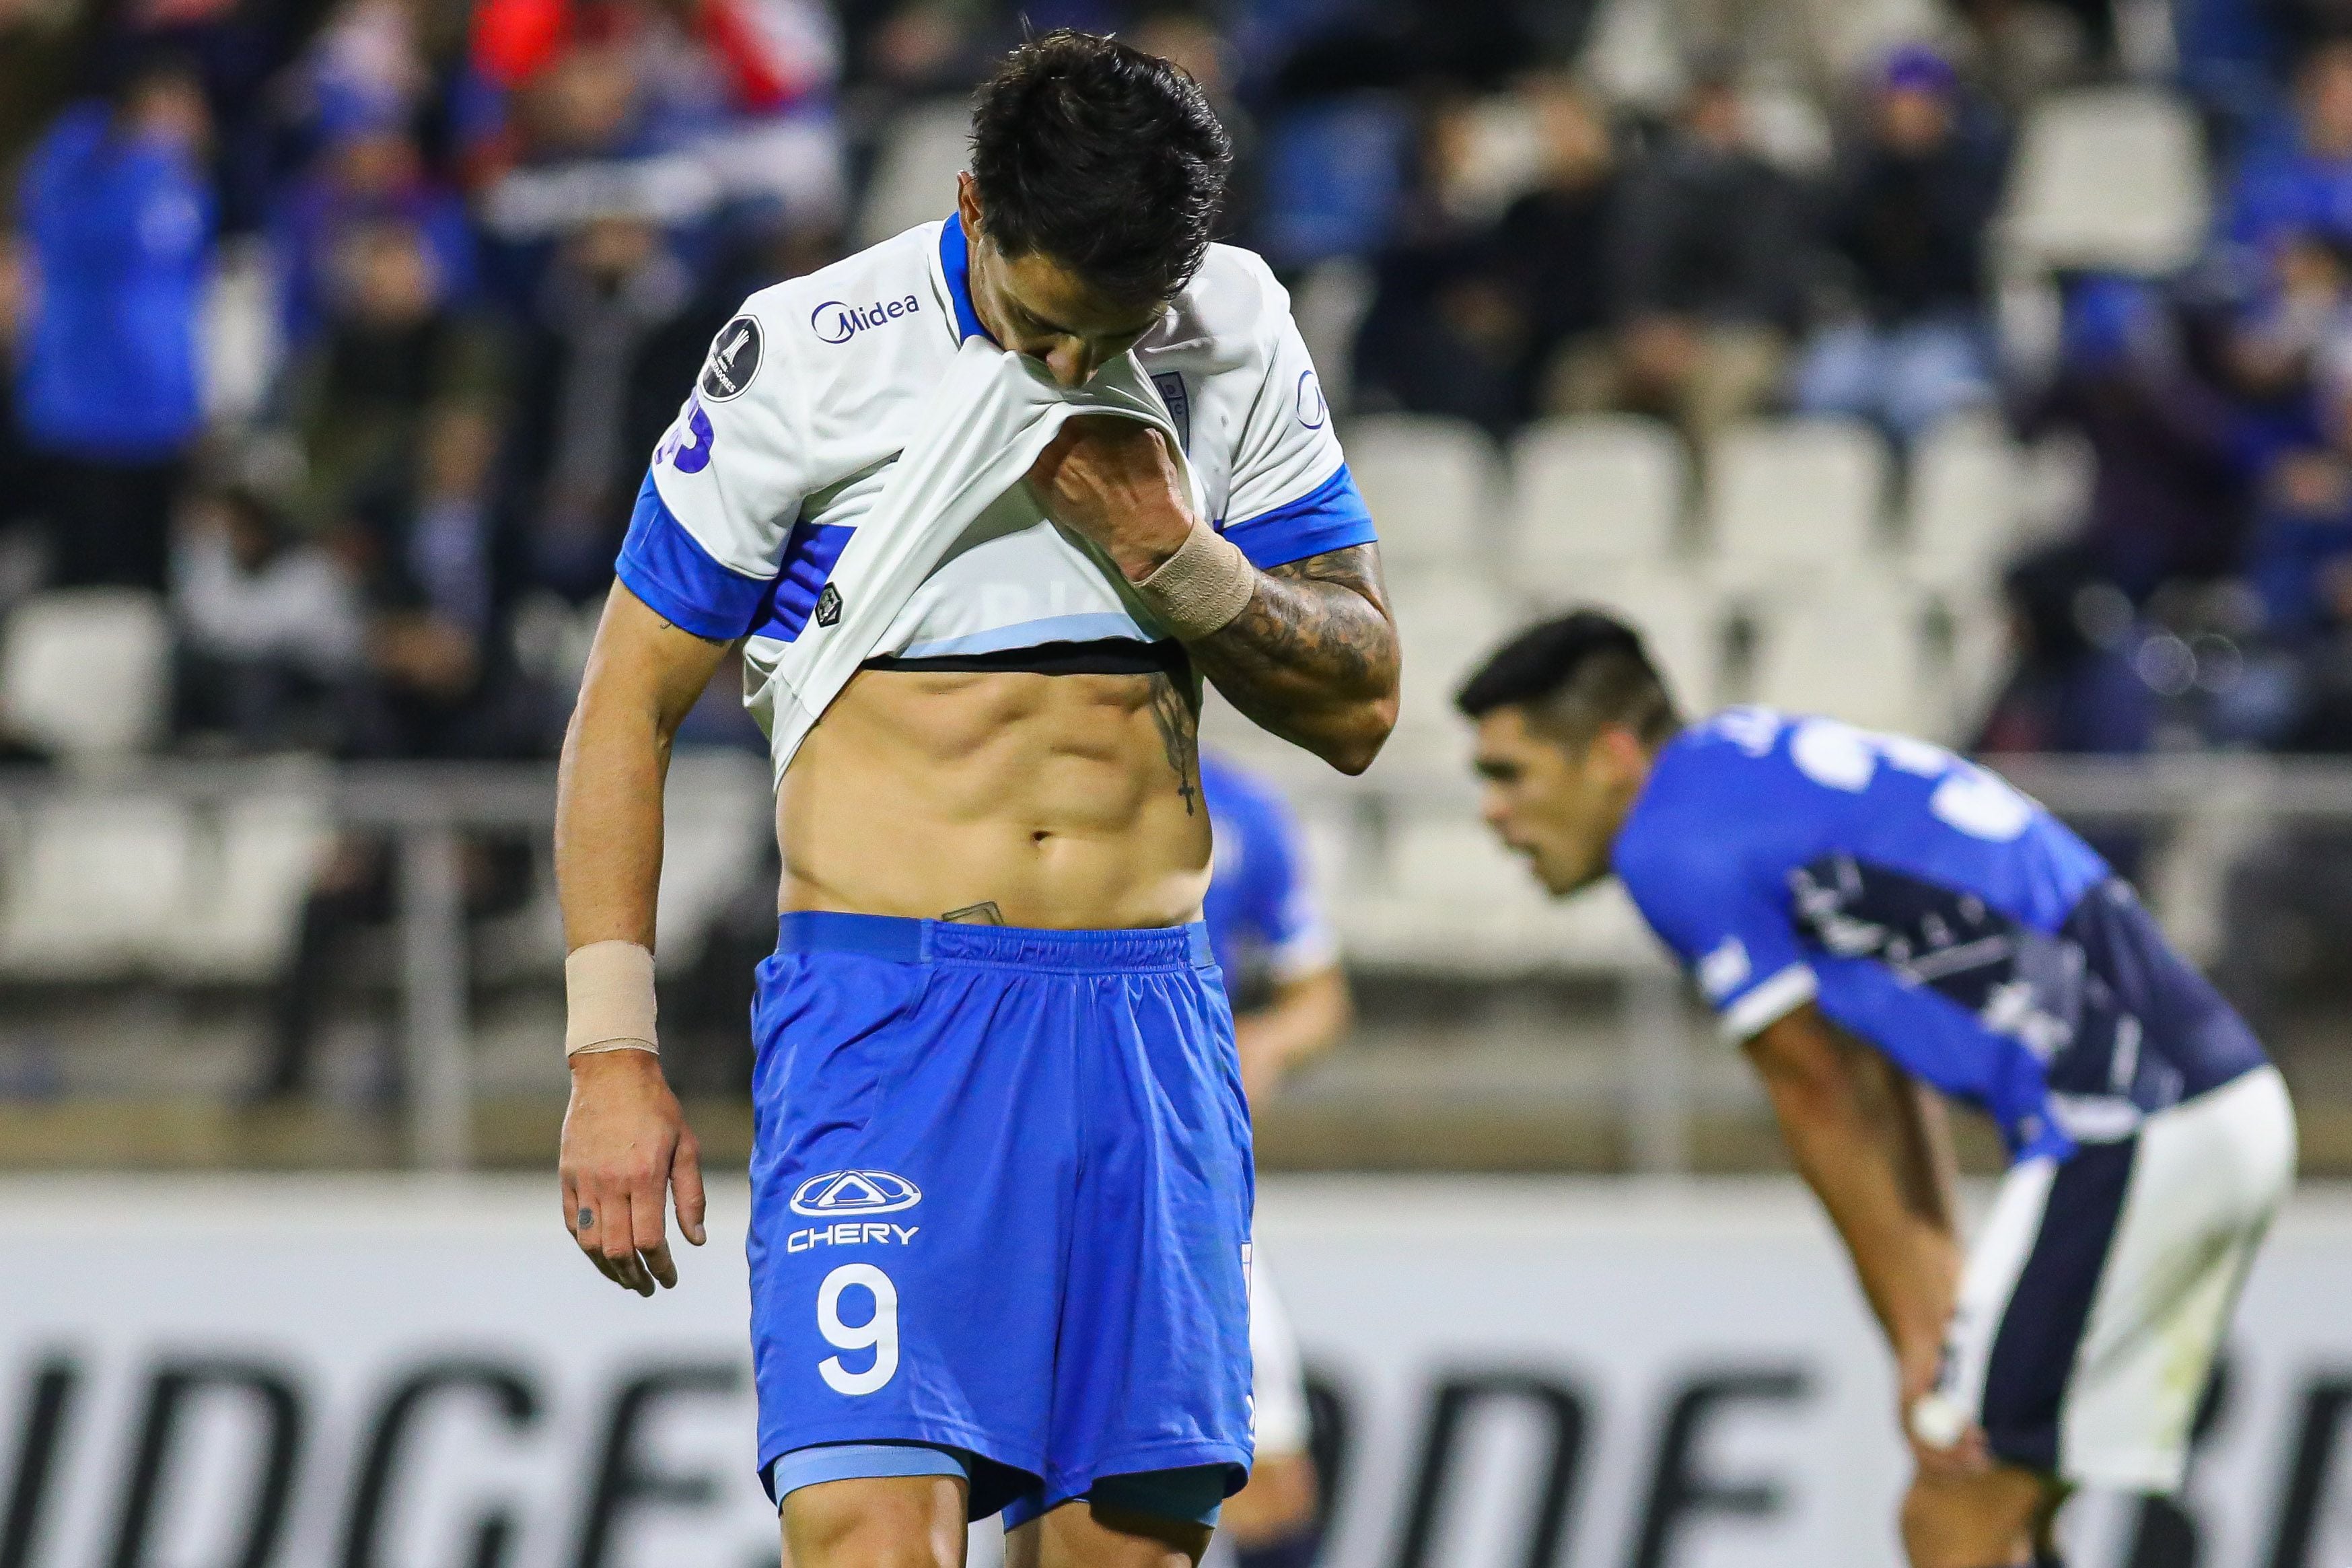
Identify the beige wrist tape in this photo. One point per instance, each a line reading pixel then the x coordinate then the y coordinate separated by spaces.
pixel 608 994
pixel 1202 587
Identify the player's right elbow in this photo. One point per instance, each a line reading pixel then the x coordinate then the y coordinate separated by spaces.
pixel 1352 750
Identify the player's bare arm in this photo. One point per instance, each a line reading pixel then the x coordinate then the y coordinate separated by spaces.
pixel 1878 1155
pixel 1312 657
pixel 625 1142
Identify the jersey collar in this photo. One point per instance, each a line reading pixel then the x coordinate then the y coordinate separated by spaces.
pixel 955 264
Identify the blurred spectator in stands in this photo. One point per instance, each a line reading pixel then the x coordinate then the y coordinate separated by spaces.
pixel 268 626
pixel 2072 688
pixel 2303 182
pixel 1554 239
pixel 705 112
pixel 367 168
pixel 438 682
pixel 1709 267
pixel 1817 46
pixel 611 349
pixel 394 351
pixel 1907 222
pixel 119 219
pixel 20 495
pixel 42 46
pixel 1444 332
pixel 2167 492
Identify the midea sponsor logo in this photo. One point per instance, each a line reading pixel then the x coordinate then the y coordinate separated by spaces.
pixel 835 323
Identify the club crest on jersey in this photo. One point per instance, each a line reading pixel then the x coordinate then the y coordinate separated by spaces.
pixel 835 323
pixel 734 359
pixel 1180 404
pixel 828 606
pixel 854 1193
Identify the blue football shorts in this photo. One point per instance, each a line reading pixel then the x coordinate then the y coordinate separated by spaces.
pixel 1002 1190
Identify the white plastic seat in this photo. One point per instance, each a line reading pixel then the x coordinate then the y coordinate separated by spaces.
pixel 96 888
pixel 1680 618
pixel 1448 622
pixel 914 178
pixel 1788 499
pixel 1431 485
pixel 248 871
pixel 1964 501
pixel 1455 899
pixel 1853 647
pixel 1599 489
pixel 2106 177
pixel 85 671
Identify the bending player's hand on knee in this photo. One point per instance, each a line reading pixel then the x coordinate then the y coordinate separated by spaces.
pixel 626 1149
pixel 1114 480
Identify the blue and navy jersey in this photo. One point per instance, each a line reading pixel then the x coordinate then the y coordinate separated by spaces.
pixel 1264 925
pixel 1931 909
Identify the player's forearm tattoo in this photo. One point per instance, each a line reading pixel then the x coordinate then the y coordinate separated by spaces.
pixel 1179 735
pixel 980 914
pixel 1313 650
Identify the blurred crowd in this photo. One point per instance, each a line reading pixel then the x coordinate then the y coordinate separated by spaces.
pixel 481 249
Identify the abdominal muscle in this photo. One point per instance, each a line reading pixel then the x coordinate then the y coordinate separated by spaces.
pixel 1062 801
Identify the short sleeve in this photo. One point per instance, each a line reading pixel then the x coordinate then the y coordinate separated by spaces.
pixel 1291 494
pixel 1733 935
pixel 707 538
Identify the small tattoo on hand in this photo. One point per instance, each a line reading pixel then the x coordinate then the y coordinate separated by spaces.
pixel 986 914
pixel 587 1218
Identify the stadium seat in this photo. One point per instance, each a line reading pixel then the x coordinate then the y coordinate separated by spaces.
pixel 1431 485
pixel 1678 615
pixel 85 671
pixel 96 886
pixel 1599 489
pixel 1851 647
pixel 248 869
pixel 1787 499
pixel 1448 622
pixel 1453 898
pixel 2109 177
pixel 915 171
pixel 1962 519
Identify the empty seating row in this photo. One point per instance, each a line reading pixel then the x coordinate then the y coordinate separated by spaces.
pixel 1864 645
pixel 1783 499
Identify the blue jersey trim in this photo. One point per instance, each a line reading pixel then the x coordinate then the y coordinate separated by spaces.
pixel 1032 634
pixel 809 556
pixel 1332 516
pixel 667 567
pixel 955 261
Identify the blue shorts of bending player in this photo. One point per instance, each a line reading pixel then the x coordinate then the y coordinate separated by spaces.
pixel 1001 1190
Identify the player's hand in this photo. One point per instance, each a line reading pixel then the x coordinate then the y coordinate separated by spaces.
pixel 625 1149
pixel 1944 1445
pixel 1114 480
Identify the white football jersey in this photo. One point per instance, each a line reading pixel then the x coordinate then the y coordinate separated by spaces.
pixel 805 404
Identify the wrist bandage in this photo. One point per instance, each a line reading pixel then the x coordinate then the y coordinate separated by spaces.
pixel 608 994
pixel 1202 587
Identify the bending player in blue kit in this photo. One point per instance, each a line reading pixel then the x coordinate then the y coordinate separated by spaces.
pixel 1291 1003
pixel 1874 918
pixel 981 505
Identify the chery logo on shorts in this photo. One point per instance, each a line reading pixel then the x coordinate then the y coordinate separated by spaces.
pixel 856 1192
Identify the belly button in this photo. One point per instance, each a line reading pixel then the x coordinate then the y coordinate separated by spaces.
pixel 1039 837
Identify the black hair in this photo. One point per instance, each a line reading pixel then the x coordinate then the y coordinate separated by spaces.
pixel 1576 674
pixel 1105 159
